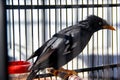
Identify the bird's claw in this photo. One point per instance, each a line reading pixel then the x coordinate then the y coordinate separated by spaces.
pixel 72 72
pixel 53 71
pixel 63 73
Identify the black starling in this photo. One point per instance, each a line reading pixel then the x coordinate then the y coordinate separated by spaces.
pixel 66 44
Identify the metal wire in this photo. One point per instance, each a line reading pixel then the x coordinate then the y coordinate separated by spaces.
pixel 59 6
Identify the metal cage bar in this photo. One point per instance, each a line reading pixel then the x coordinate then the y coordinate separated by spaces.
pixel 58 6
pixel 3 42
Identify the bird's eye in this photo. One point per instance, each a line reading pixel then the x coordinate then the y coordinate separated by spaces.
pixel 100 23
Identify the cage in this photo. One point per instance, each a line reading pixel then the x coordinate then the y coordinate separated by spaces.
pixel 32 22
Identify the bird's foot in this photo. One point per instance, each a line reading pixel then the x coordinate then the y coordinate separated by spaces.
pixel 71 72
pixel 53 71
pixel 63 73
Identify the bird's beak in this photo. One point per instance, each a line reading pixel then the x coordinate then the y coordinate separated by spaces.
pixel 108 27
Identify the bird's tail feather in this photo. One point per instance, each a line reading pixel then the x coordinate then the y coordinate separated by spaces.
pixel 32 56
pixel 32 75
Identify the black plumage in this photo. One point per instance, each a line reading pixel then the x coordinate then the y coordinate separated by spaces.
pixel 66 44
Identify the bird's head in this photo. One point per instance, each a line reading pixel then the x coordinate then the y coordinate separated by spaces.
pixel 96 23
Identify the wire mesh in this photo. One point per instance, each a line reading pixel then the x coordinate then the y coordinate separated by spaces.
pixel 32 22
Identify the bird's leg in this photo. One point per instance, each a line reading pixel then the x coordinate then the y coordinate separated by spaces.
pixel 63 73
pixel 70 72
pixel 53 71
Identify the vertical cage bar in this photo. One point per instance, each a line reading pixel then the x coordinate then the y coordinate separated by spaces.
pixel 118 73
pixel 32 33
pixel 103 43
pixel 97 62
pixel 9 34
pixel 19 24
pixel 112 55
pixel 92 57
pixel 66 16
pixel 13 33
pixel 3 42
pixel 88 58
pixel 38 24
pixel 49 22
pixel 26 39
pixel 60 15
pixel 72 25
pixel 56 27
pixel 108 33
pixel 43 24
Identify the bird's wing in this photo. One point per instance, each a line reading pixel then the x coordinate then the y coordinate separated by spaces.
pixel 37 52
pixel 41 50
pixel 73 41
pixel 51 46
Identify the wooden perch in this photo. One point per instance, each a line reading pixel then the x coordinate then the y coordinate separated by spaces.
pixel 65 74
pixel 74 77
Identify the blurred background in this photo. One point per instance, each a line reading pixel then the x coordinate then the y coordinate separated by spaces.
pixel 32 22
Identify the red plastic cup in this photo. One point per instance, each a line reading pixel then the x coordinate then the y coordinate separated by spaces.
pixel 18 70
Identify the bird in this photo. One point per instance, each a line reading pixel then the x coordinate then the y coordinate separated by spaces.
pixel 66 44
